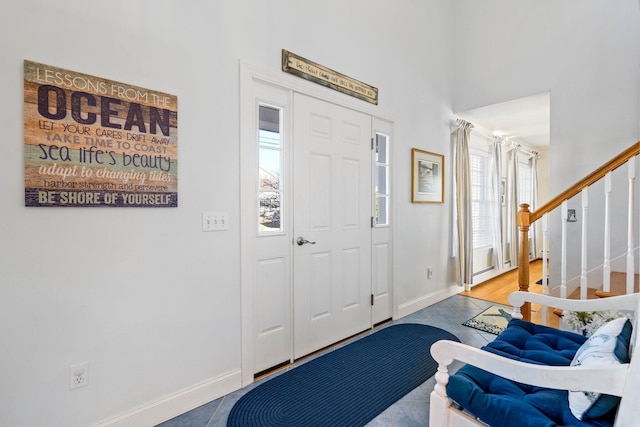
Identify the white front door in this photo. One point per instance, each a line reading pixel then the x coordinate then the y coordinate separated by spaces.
pixel 331 223
pixel 300 298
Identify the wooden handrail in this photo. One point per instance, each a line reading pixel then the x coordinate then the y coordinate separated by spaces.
pixel 588 180
pixel 526 218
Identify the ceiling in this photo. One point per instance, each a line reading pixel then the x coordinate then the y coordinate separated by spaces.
pixel 524 120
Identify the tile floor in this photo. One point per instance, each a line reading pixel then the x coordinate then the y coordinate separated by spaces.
pixel 411 410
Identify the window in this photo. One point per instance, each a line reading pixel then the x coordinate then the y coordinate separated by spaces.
pixel 481 199
pixel 525 186
pixel 270 162
pixel 525 189
pixel 382 179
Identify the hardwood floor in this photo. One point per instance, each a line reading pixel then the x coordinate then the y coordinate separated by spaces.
pixel 498 289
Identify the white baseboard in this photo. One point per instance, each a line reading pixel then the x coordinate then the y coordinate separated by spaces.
pixel 427 300
pixel 177 403
pixel 491 274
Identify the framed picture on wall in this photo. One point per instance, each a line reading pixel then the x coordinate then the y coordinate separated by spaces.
pixel 427 177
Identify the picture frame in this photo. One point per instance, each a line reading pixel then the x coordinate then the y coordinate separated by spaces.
pixel 427 177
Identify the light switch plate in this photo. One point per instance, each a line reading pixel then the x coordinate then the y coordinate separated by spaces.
pixel 215 221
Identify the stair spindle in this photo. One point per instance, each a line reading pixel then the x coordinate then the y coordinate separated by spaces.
pixel 563 248
pixel 583 260
pixel 606 266
pixel 545 260
pixel 630 257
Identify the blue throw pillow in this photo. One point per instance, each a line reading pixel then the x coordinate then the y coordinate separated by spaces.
pixel 609 345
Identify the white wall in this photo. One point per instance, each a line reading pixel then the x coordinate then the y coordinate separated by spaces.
pixel 151 301
pixel 145 296
pixel 585 53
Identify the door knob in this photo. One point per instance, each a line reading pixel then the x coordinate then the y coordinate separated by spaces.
pixel 301 241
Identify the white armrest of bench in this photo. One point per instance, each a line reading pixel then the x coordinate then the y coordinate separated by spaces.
pixel 623 302
pixel 608 379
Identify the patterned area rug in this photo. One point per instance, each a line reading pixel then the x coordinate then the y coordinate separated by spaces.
pixel 492 320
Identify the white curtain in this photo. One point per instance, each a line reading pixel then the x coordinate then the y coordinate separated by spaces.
pixel 462 223
pixel 497 193
pixel 512 205
pixel 535 244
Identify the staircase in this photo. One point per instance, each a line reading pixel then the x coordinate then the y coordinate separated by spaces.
pixel 618 285
pixel 614 282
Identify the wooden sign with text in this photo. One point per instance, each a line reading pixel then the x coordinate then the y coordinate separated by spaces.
pixel 309 70
pixel 90 141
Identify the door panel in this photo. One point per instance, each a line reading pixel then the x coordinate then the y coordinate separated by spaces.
pixel 332 210
pixel 320 187
pixel 350 191
pixel 382 281
pixel 350 278
pixel 271 281
pixel 272 313
pixel 320 300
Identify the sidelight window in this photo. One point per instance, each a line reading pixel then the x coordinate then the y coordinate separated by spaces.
pixel 382 179
pixel 270 160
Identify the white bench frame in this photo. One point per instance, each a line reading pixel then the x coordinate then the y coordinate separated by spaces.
pixel 619 380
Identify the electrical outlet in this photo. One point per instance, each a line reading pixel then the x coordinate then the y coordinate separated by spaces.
pixel 78 375
pixel 429 272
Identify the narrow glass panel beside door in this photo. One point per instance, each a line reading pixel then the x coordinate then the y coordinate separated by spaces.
pixel 269 170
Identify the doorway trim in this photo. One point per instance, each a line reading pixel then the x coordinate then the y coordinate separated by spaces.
pixel 248 74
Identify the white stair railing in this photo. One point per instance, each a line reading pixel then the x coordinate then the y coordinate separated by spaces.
pixel 526 218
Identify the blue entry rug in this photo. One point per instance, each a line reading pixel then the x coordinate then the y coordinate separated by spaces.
pixel 348 386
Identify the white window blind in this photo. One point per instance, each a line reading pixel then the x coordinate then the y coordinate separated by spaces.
pixel 480 199
pixel 525 187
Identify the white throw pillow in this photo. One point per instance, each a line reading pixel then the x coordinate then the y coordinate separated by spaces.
pixel 609 345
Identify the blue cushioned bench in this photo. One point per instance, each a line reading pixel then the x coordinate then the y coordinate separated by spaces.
pixel 523 377
pixel 495 400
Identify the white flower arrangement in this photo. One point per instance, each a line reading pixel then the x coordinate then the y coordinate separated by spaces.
pixel 587 322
